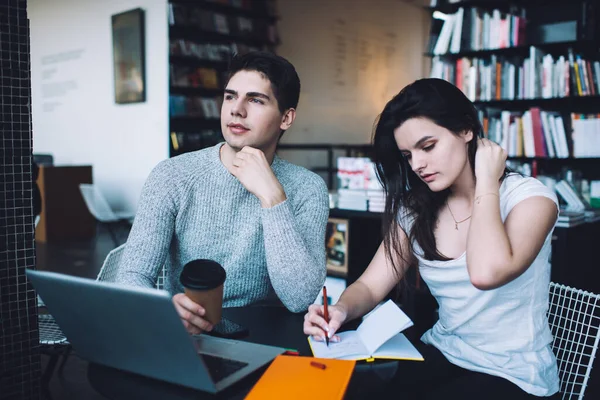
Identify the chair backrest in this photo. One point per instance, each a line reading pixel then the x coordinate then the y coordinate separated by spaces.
pixel 110 268
pixel 96 203
pixel 574 318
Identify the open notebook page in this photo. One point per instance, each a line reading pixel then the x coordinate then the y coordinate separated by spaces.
pixel 349 347
pixel 398 347
pixel 383 323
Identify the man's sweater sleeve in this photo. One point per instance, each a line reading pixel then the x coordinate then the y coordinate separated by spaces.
pixel 295 245
pixel 150 237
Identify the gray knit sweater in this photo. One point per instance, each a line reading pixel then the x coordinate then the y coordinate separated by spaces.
pixel 191 207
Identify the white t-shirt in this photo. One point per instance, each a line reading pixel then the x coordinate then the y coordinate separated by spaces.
pixel 504 331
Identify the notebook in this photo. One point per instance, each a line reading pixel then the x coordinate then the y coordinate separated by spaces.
pixel 378 336
pixel 293 377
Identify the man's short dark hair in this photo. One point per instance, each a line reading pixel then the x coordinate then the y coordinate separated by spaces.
pixel 285 82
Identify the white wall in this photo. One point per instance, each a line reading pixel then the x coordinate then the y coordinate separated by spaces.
pixel 74 113
pixel 352 57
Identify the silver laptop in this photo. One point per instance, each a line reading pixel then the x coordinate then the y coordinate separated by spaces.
pixel 139 330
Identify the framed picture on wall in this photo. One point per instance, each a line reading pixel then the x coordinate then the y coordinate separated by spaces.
pixel 129 56
pixel 336 245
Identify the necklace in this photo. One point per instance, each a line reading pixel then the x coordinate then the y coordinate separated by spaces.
pixel 455 221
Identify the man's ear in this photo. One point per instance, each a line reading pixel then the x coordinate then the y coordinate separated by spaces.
pixel 287 119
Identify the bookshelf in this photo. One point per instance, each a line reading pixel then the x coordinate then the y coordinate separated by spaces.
pixel 532 69
pixel 203 36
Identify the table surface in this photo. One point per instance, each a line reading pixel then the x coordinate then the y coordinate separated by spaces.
pixel 273 326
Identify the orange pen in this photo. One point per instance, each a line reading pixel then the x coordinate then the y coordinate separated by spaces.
pixel 325 313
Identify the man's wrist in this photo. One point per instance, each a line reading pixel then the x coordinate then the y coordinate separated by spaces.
pixel 272 199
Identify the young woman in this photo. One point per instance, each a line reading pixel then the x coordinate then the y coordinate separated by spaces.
pixel 481 239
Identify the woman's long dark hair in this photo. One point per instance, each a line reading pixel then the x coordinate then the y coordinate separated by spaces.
pixel 445 105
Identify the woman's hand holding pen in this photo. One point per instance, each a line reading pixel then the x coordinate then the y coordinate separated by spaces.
pixel 316 326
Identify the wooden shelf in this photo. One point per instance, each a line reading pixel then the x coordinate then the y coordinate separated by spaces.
pixel 341 213
pixel 504 5
pixel 556 159
pixel 195 91
pixel 192 61
pixel 571 103
pixel 192 124
pixel 580 46
pixel 200 35
pixel 229 10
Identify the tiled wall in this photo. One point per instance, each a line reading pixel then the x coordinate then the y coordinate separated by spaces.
pixel 19 350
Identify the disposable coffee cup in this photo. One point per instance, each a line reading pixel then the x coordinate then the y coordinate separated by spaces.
pixel 202 282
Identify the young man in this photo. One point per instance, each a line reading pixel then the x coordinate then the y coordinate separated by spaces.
pixel 262 218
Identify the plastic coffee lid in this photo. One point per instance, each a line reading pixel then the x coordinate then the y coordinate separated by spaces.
pixel 202 275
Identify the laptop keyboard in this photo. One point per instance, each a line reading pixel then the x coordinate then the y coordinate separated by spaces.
pixel 220 368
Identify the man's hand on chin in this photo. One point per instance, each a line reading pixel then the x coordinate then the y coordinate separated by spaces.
pixel 251 168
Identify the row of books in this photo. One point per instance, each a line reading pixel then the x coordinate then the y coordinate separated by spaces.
pixel 475 29
pixel 533 133
pixel 585 76
pixel 586 135
pixel 207 51
pixel 201 77
pixel 195 106
pixel 537 76
pixel 565 77
pixel 191 141
pixel 193 16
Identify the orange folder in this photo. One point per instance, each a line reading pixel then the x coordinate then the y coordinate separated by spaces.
pixel 293 377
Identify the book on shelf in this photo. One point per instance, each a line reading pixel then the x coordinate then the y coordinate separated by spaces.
pixel 352 199
pixel 201 77
pixel 585 134
pixel 210 107
pixel 357 173
pixel 443 41
pixel 178 14
pixel 206 78
pixel 194 106
pixel 220 23
pixel 574 201
pixel 244 25
pixel 271 8
pixel 201 51
pixel 570 218
pixel 177 105
pixel 191 141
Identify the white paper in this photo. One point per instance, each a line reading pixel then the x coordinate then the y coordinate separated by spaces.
pixel 383 323
pixel 350 346
pixel 398 347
